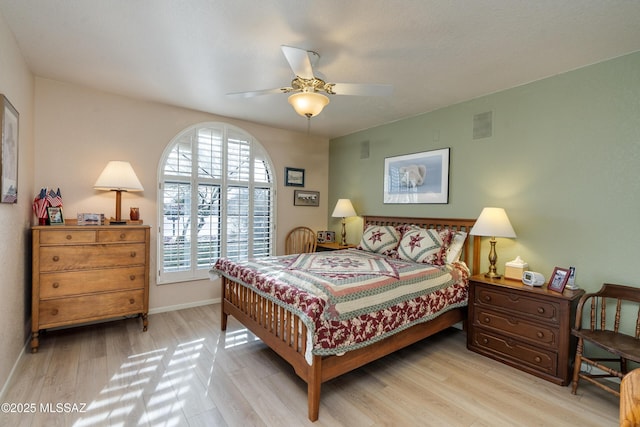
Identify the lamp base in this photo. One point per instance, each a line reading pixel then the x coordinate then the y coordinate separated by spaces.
pixel 492 275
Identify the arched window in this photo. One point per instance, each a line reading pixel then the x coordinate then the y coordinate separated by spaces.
pixel 216 198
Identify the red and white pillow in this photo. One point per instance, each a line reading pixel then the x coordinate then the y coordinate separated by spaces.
pixel 380 239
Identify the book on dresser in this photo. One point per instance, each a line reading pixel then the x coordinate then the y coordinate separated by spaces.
pixel 88 273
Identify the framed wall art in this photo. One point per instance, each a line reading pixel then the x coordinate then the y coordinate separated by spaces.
pixel 9 165
pixel 417 178
pixel 294 177
pixel 306 198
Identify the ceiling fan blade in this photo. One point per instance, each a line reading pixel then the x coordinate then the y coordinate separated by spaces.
pixel 362 89
pixel 253 93
pixel 299 61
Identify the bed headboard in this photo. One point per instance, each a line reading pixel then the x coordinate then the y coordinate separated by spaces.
pixel 471 248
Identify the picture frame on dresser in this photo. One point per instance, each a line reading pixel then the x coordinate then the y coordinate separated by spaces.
pixel 558 279
pixel 54 214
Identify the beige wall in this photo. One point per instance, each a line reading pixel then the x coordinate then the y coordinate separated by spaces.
pixel 16 83
pixel 79 129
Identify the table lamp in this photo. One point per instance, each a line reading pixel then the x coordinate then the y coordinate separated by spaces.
pixel 118 176
pixel 493 222
pixel 343 209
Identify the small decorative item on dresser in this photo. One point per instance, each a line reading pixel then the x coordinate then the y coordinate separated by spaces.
pixel 55 216
pixel 558 279
pixel 134 214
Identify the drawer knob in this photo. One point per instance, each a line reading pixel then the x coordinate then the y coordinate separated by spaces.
pixel 56 285
pixel 541 310
pixel 132 254
pixel 56 258
pixel 132 277
pixel 487 298
pixel 132 301
pixel 69 237
pixel 54 312
pixel 485 341
pixel 487 320
pixel 537 359
pixel 540 334
pixel 122 236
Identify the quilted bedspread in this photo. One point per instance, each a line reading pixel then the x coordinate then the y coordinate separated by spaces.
pixel 351 298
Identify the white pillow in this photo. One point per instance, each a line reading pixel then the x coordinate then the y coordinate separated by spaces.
pixel 455 247
pixel 379 239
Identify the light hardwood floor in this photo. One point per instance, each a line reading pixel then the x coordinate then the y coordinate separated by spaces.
pixel 185 372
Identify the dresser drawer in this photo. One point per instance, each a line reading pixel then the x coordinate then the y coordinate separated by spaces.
pixel 61 237
pixel 538 334
pixel 121 235
pixel 63 311
pixel 61 258
pixel 520 303
pixel 515 351
pixel 56 285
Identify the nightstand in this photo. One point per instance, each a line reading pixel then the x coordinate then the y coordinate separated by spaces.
pixel 526 327
pixel 332 246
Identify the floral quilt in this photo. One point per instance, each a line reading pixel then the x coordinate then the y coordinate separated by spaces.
pixel 351 298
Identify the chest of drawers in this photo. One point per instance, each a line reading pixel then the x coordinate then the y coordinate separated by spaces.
pixel 525 327
pixel 85 273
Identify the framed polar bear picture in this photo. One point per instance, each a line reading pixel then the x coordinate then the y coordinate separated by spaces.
pixel 417 178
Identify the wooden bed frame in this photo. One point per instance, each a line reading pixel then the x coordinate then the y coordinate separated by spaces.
pixel 286 334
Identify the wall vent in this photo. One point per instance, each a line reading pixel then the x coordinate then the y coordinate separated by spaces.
pixel 364 150
pixel 483 125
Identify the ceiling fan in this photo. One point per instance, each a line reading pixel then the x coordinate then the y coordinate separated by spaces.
pixel 306 88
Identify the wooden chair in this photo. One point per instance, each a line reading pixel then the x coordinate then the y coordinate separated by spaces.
pixel 300 240
pixel 630 399
pixel 603 331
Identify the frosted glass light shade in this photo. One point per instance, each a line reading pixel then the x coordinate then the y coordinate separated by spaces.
pixel 308 104
pixel 118 175
pixel 493 222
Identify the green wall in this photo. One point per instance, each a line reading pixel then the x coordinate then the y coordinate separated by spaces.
pixel 563 161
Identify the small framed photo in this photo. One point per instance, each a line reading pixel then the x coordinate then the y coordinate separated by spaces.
pixel 55 216
pixel 306 198
pixel 559 279
pixel 294 177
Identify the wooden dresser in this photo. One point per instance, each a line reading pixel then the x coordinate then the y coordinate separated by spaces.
pixel 88 273
pixel 526 327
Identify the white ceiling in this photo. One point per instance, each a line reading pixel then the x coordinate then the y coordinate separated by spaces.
pixel 435 53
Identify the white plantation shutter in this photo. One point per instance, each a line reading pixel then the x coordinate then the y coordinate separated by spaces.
pixel 217 193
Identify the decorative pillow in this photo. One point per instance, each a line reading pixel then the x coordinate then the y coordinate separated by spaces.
pixel 425 245
pixel 379 238
pixel 455 248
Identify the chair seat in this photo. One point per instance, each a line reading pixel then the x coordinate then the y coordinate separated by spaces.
pixel 623 345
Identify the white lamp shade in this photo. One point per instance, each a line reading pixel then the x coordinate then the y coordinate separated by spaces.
pixel 308 104
pixel 493 222
pixel 343 209
pixel 118 175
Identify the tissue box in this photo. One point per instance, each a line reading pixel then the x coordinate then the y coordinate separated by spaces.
pixel 514 269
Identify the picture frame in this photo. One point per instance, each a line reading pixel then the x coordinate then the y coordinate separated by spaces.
pixel 293 177
pixel 417 178
pixel 558 279
pixel 54 214
pixel 306 198
pixel 9 121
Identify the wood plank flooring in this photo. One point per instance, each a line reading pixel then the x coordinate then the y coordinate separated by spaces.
pixel 185 372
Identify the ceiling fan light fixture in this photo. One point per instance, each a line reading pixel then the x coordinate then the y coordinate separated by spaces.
pixel 308 104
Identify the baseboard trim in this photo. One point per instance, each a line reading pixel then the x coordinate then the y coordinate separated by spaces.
pixel 183 306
